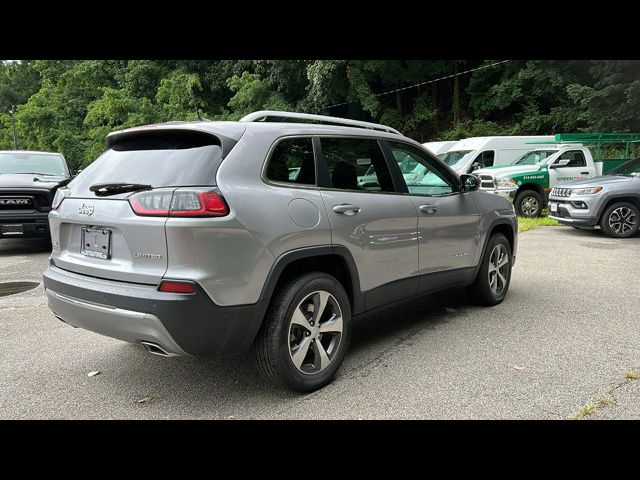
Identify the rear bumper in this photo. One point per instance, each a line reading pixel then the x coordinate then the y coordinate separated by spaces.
pixel 35 225
pixel 180 324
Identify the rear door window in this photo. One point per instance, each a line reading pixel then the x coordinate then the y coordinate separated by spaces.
pixel 356 164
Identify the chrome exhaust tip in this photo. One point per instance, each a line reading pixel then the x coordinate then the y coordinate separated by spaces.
pixel 156 349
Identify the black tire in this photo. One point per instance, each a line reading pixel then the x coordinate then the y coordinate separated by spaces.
pixel 523 201
pixel 481 291
pixel 627 226
pixel 272 347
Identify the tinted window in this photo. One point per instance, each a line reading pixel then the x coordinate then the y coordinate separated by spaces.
pixel 486 158
pixel 632 167
pixel 356 164
pixel 32 163
pixel 576 158
pixel 425 179
pixel 158 168
pixel 292 162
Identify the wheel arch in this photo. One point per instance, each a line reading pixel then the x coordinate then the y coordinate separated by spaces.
pixel 629 198
pixel 530 186
pixel 332 259
pixel 499 225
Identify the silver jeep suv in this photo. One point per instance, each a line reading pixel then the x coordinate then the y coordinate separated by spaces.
pixel 611 201
pixel 211 238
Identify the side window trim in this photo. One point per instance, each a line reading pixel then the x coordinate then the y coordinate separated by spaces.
pixel 323 176
pixel 399 185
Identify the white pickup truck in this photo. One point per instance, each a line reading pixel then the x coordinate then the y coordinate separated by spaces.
pixel 529 179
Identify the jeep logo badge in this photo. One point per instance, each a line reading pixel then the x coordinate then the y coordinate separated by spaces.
pixel 86 210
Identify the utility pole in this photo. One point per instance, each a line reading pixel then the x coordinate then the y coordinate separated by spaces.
pixel 13 121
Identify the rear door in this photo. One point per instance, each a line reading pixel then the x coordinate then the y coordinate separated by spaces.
pixel 101 236
pixel 375 223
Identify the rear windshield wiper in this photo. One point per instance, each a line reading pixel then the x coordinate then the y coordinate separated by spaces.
pixel 104 189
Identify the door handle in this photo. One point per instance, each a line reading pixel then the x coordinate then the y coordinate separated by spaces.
pixel 428 208
pixel 346 209
pixel 584 173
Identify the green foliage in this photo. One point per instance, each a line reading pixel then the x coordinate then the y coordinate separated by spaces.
pixel 252 93
pixel 70 106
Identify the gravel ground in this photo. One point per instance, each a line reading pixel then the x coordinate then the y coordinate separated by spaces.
pixel 564 338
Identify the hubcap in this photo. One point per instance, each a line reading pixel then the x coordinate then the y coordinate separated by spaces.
pixel 622 220
pixel 529 206
pixel 315 331
pixel 498 269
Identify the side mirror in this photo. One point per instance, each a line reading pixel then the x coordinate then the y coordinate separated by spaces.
pixel 476 166
pixel 469 183
pixel 563 162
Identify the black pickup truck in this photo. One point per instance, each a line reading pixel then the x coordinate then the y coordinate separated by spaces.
pixel 28 183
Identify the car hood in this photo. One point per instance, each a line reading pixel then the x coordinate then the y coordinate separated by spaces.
pixel 507 170
pixel 599 180
pixel 23 180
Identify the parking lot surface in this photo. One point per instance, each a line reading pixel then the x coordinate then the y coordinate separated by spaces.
pixel 563 342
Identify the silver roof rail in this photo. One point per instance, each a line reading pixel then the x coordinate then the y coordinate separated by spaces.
pixel 324 119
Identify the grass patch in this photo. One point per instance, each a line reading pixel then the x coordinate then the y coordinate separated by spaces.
pixel 606 401
pixel 525 224
pixel 632 375
pixel 584 411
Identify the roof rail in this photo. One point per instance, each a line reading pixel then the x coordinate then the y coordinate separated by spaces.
pixel 264 115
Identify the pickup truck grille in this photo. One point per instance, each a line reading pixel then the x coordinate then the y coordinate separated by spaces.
pixel 24 201
pixel 561 192
pixel 487 181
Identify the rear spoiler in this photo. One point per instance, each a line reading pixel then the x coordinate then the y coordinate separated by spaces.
pixel 159 136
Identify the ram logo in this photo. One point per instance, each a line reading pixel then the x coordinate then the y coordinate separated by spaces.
pixel 86 210
pixel 15 201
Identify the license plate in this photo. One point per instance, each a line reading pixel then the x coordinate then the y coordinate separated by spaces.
pixel 96 242
pixel 12 229
pixel 554 207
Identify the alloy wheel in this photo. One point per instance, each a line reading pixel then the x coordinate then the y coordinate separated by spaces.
pixel 622 220
pixel 315 332
pixel 498 269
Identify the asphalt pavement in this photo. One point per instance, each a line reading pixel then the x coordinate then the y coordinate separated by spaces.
pixel 564 341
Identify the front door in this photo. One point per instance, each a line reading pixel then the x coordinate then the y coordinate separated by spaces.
pixel 366 215
pixel 448 221
pixel 576 169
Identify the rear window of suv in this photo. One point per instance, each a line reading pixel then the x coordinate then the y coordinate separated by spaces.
pixel 178 162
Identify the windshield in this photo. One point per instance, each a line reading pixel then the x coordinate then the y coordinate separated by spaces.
pixel 630 168
pixel 535 157
pixel 49 164
pixel 454 156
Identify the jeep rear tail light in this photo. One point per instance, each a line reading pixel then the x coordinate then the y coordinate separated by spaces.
pixel 183 202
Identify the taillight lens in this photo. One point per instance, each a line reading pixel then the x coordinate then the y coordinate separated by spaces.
pixel 172 286
pixel 60 195
pixel 179 203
